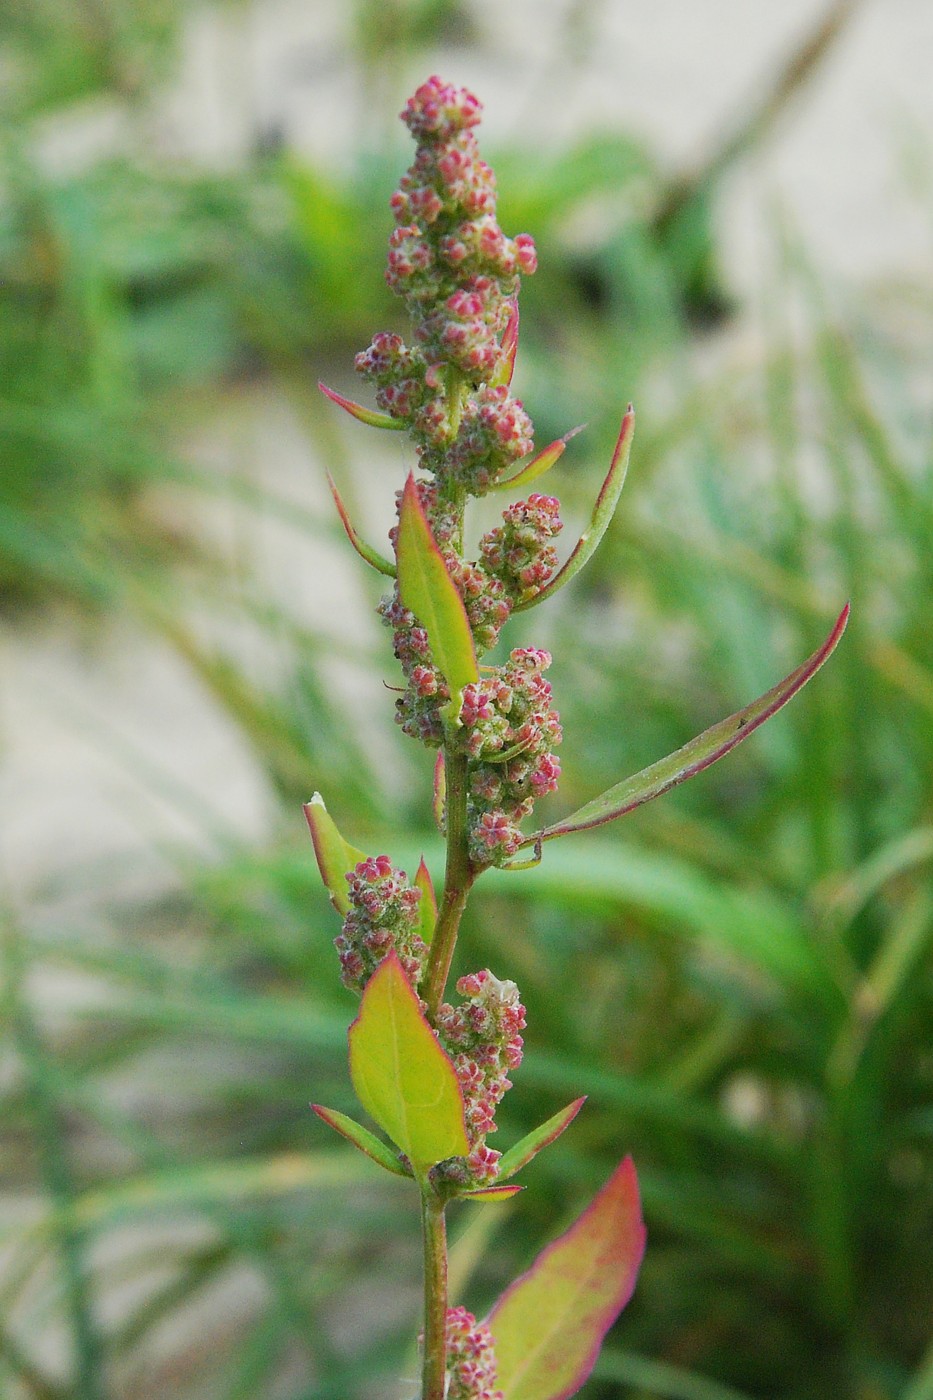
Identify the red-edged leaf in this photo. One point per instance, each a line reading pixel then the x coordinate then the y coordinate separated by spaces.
pixel 426 588
pixel 705 749
pixel 603 511
pixel 540 464
pixel 362 1138
pixel 509 345
pixel 439 802
pixel 364 550
pixel 335 856
pixel 369 416
pixel 401 1075
pixel 427 908
pixel 492 1193
pixel 549 1324
pixel 529 1146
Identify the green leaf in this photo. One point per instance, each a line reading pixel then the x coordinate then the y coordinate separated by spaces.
pixel 401 1075
pixel 531 1144
pixel 335 857
pixel 540 464
pixel 491 1193
pixel 548 1325
pixel 427 909
pixel 370 416
pixel 364 550
pixel 362 1138
pixel 603 511
pixel 700 753
pixel 426 588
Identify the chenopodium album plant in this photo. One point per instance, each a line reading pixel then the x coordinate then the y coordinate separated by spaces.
pixel 429 1071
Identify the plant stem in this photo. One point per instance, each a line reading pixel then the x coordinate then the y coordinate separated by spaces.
pixel 434 1234
pixel 457 882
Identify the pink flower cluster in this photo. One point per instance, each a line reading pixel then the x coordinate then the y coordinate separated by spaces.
pixel 458 274
pixel 519 553
pixel 483 1038
pixel 471 1360
pixel 383 915
pixel 509 730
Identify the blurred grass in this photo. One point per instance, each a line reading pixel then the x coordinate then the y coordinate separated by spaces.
pixel 741 978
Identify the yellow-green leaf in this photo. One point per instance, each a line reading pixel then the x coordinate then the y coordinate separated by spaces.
pixel 362 1138
pixel 335 856
pixel 370 416
pixel 401 1075
pixel 549 1324
pixel 714 743
pixel 427 909
pixel 531 1144
pixel 426 588
pixel 603 511
pixel 539 464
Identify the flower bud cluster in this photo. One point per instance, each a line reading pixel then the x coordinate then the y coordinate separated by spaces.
pixel 483 1038
pixel 509 730
pixel 383 915
pixel 458 274
pixel 471 1360
pixel 519 553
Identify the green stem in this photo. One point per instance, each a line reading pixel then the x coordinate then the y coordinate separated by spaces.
pixel 457 882
pixel 434 1232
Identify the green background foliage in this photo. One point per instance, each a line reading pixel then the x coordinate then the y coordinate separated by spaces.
pixel 740 976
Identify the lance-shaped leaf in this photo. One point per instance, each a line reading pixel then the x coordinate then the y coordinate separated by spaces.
pixel 364 550
pixel 401 1075
pixel 370 416
pixel 362 1138
pixel 603 511
pixel 705 749
pixel 335 856
pixel 540 464
pixel 426 588
pixel 509 345
pixel 531 1144
pixel 491 1193
pixel 427 907
pixel 549 1324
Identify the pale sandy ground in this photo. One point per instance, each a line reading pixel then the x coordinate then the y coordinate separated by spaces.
pixel 84 723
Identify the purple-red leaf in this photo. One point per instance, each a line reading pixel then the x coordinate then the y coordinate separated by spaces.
pixel 549 1324
pixel 531 1144
pixel 426 588
pixel 362 1138
pixel 705 749
pixel 364 550
pixel 335 856
pixel 369 416
pixel 401 1075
